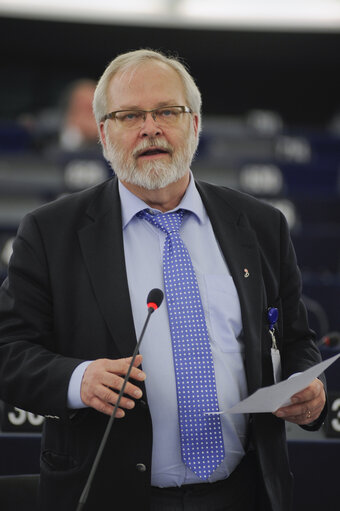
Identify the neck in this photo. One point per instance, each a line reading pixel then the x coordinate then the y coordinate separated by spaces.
pixel 163 199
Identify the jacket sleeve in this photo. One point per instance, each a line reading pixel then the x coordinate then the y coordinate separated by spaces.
pixel 32 375
pixel 299 350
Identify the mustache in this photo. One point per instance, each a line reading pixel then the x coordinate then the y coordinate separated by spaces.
pixel 152 142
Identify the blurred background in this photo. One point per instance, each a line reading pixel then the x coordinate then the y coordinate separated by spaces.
pixel 269 73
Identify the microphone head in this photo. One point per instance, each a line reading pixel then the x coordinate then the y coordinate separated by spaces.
pixel 155 298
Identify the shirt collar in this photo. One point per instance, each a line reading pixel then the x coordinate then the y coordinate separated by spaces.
pixel 131 204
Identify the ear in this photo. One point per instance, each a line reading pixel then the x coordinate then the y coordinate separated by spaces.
pixel 195 122
pixel 102 134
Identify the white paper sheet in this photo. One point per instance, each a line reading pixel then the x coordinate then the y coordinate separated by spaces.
pixel 269 399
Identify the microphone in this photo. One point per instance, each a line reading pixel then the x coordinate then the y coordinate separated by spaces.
pixel 154 300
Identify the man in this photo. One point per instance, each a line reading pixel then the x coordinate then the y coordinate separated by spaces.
pixel 74 304
pixel 69 125
pixel 78 129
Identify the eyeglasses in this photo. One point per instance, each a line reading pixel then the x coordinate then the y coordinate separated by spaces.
pixel 165 116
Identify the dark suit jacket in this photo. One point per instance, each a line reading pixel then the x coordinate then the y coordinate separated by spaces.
pixel 67 300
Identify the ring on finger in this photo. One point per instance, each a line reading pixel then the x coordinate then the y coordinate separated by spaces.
pixel 308 414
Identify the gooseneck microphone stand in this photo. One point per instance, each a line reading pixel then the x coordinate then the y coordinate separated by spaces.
pixel 155 298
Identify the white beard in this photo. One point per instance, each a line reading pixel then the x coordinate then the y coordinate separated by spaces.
pixel 155 174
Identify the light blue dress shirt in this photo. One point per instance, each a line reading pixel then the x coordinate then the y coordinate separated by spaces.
pixel 143 246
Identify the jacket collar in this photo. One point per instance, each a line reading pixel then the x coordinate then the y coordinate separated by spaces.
pixel 102 247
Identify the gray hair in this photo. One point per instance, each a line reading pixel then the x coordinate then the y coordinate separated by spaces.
pixel 134 58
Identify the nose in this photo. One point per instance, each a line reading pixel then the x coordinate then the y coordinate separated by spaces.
pixel 149 127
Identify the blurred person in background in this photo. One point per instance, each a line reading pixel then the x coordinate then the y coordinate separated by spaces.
pixel 78 126
pixel 67 126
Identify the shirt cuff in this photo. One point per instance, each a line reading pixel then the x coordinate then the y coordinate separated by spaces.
pixel 74 400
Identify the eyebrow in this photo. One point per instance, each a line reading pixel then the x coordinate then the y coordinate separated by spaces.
pixel 158 105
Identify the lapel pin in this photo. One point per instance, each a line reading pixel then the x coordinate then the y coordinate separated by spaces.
pixel 246 273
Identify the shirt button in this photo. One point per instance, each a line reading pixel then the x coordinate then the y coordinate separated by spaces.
pixel 141 467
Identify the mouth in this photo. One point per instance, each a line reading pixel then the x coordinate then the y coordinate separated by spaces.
pixel 152 152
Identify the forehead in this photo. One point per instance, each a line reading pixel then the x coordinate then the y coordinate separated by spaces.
pixel 148 85
pixel 83 93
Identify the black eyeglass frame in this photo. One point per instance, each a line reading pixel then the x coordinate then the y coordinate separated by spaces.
pixel 112 115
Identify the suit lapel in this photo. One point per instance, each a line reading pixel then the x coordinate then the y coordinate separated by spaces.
pixel 101 241
pixel 240 249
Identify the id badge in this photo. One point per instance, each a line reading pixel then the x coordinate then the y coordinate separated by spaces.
pixel 276 358
pixel 274 351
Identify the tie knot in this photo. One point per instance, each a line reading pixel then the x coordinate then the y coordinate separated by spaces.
pixel 167 222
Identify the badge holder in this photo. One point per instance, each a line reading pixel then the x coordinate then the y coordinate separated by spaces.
pixel 274 352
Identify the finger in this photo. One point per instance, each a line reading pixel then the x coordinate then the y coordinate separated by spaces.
pixel 107 408
pixel 100 375
pixel 300 410
pixel 107 395
pixel 309 393
pixel 295 418
pixel 137 362
pixel 302 419
pixel 115 382
pixel 121 366
pixel 304 413
pixel 104 400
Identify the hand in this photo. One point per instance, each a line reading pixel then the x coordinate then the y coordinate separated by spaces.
pixel 307 405
pixel 103 380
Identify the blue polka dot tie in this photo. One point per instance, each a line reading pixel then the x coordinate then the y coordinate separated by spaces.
pixel 201 435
